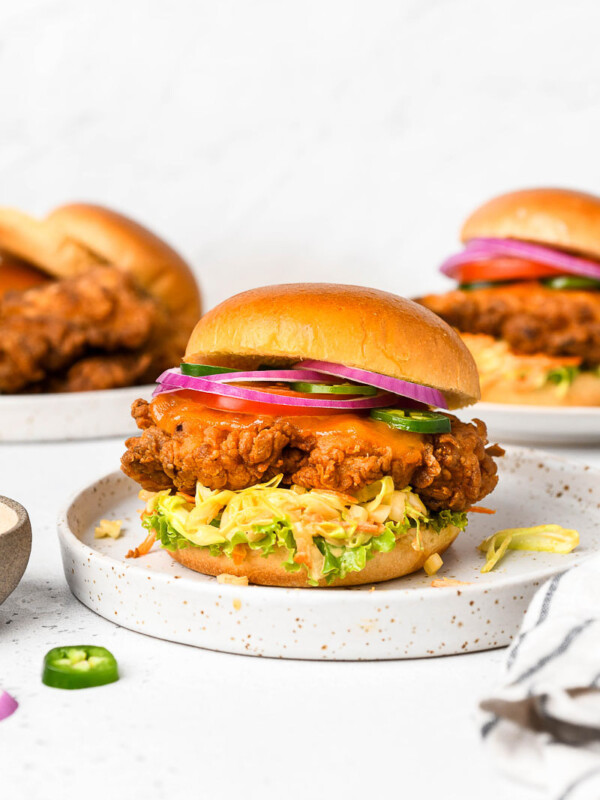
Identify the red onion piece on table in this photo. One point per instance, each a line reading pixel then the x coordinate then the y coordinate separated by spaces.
pixel 8 704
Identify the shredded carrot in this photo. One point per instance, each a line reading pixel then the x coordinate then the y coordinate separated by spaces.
pixel 370 527
pixel 302 558
pixel 345 498
pixel 187 497
pixel 238 554
pixel 481 510
pixel 144 548
pixel 304 548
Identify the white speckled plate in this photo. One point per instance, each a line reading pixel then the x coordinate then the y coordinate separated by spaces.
pixel 404 618
pixel 543 425
pixel 68 415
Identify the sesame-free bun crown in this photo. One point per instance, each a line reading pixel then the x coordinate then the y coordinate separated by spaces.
pixel 74 238
pixel 350 325
pixel 559 218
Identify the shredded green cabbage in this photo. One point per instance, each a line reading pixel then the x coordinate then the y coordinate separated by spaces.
pixel 540 538
pixel 340 533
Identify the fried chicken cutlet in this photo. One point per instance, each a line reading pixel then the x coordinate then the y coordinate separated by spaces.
pixel 222 450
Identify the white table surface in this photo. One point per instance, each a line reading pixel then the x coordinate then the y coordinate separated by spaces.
pixel 230 726
pixel 268 141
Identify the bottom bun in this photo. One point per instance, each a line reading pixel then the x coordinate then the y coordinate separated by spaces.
pixel 402 560
pixel 513 379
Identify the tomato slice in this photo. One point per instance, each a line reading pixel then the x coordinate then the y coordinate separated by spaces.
pixel 504 269
pixel 219 402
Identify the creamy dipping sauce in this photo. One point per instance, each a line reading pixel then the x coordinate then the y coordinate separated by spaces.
pixel 8 518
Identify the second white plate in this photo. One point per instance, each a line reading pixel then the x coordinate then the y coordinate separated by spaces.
pixel 404 618
pixel 541 425
pixel 69 415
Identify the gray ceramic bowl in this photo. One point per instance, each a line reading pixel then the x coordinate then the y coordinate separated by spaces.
pixel 15 547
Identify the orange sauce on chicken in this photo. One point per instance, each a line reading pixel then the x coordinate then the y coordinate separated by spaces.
pixel 172 409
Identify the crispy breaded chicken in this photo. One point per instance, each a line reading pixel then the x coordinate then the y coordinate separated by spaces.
pixel 97 330
pixel 532 318
pixel 452 470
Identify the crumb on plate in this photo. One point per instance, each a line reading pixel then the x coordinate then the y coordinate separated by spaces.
pixel 438 583
pixel 232 580
pixel 108 528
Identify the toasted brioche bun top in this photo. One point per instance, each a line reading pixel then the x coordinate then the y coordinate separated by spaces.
pixel 74 238
pixel 349 325
pixel 556 217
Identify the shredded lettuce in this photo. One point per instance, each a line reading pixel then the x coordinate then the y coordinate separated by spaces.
pixel 165 532
pixel 563 377
pixel 446 517
pixel 339 561
pixel 339 533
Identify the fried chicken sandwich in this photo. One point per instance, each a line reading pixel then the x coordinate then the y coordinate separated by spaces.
pixel 298 443
pixel 528 300
pixel 89 299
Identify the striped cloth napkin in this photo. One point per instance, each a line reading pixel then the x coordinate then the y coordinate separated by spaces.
pixel 542 723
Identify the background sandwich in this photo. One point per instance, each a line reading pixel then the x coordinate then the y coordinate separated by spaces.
pixel 89 299
pixel 528 303
pixel 297 444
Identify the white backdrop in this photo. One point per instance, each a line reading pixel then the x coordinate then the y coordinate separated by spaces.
pixel 275 141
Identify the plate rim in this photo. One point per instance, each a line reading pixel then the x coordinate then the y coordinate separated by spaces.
pixel 357 593
pixel 533 409
pixel 6 399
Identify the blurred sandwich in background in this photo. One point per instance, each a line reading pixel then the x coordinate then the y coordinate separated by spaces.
pixel 89 299
pixel 528 300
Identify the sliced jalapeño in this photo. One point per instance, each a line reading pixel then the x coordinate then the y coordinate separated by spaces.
pixel 79 667
pixel 200 370
pixel 335 388
pixel 413 421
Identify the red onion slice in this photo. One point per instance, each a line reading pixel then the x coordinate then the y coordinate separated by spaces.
pixel 8 704
pixel 451 266
pixel 163 388
pixel 487 248
pixel 271 375
pixel 422 394
pixel 175 380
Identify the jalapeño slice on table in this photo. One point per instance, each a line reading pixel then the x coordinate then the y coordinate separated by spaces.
pixel 200 370
pixel 414 421
pixel 334 388
pixel 79 667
